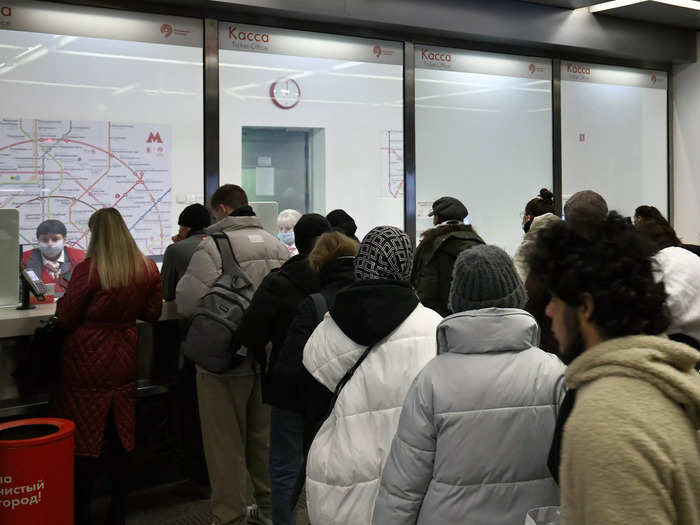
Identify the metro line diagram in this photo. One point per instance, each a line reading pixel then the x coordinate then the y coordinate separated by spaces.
pixel 67 169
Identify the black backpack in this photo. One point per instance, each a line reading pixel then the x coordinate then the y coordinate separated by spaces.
pixel 212 338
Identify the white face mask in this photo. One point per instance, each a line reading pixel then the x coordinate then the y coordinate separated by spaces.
pixel 51 250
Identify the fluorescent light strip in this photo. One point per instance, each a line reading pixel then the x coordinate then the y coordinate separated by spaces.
pixel 451 82
pixel 688 4
pixel 128 57
pixel 538 110
pixel 116 89
pixel 359 75
pixel 262 68
pixel 475 110
pixel 613 5
pixel 459 93
pixel 532 89
pixel 57 84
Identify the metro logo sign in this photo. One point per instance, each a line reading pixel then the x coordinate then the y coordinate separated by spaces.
pixel 248 36
pixel 154 137
pixel 5 11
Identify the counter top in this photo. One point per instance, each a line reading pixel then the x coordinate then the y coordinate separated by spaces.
pixel 17 323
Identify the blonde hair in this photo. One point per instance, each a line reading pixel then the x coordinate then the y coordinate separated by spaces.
pixel 289 216
pixel 113 250
pixel 331 246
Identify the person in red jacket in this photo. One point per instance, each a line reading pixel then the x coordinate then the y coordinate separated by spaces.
pixel 112 288
pixel 52 260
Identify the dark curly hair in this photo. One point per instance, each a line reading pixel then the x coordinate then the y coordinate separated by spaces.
pixel 614 267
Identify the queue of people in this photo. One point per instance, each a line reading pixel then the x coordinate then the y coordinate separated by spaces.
pixel 378 384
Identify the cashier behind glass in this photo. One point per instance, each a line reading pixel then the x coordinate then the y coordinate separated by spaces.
pixel 52 261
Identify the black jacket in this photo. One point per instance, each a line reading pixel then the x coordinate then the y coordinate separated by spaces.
pixel 272 310
pixel 435 259
pixel 313 398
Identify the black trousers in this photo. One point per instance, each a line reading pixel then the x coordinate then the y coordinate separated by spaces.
pixel 113 464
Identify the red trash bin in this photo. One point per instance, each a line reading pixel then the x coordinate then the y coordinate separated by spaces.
pixel 36 472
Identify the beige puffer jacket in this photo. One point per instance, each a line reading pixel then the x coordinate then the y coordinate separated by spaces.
pixel 256 251
pixel 538 224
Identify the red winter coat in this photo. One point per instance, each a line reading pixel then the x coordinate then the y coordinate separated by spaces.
pixel 99 356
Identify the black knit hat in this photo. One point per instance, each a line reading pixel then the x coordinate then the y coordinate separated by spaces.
pixel 308 229
pixel 385 253
pixel 195 216
pixel 485 277
pixel 340 220
pixel 449 209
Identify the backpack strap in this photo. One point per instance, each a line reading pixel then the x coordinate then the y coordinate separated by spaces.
pixel 229 264
pixel 320 306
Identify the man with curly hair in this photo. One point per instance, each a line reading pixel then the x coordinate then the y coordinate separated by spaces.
pixel 629 429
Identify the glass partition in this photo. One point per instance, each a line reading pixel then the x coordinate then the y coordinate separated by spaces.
pixel 313 122
pixel 483 135
pixel 88 122
pixel 614 134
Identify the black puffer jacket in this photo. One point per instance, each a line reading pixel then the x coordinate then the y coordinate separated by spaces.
pixel 435 259
pixel 314 398
pixel 268 318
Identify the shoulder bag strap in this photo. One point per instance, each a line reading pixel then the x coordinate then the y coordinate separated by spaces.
pixel 228 259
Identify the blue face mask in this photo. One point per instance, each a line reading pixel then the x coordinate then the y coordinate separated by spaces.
pixel 286 237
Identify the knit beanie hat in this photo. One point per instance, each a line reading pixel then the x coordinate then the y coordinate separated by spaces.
pixel 340 219
pixel 485 277
pixel 195 216
pixel 308 229
pixel 385 253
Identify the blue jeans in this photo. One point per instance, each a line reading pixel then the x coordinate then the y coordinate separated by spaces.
pixel 286 459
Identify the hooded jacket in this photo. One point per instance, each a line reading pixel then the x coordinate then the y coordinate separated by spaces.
pixel 539 223
pixel 631 446
pixel 347 456
pixel 312 397
pixel 268 318
pixel 680 271
pixel 434 261
pixel 475 430
pixel 256 251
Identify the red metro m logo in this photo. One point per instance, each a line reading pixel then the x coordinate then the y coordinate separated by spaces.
pixel 154 137
pixel 5 11
pixel 166 29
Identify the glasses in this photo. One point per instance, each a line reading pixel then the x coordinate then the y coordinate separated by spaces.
pixel 522 215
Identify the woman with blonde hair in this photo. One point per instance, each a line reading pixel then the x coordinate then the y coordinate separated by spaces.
pixel 332 259
pixel 113 287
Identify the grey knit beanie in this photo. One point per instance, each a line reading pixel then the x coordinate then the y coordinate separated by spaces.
pixel 485 277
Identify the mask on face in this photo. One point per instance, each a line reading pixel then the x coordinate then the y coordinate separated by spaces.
pixel 526 226
pixel 51 250
pixel 286 237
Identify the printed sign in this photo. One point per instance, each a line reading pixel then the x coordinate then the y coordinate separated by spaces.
pixel 447 59
pixel 62 19
pixel 620 76
pixel 242 37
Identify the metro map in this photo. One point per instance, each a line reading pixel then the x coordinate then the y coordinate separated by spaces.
pixel 68 169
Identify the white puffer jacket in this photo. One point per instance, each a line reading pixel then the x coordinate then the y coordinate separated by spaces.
pixel 347 456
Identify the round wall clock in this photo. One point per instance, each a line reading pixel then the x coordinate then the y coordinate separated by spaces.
pixel 285 94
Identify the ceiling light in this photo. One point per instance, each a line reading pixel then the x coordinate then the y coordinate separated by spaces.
pixel 613 5
pixel 688 4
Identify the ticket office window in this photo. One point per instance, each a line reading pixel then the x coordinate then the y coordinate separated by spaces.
pixel 313 122
pixel 483 135
pixel 89 122
pixel 614 134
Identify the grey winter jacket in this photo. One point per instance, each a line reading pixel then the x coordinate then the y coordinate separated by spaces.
pixel 476 427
